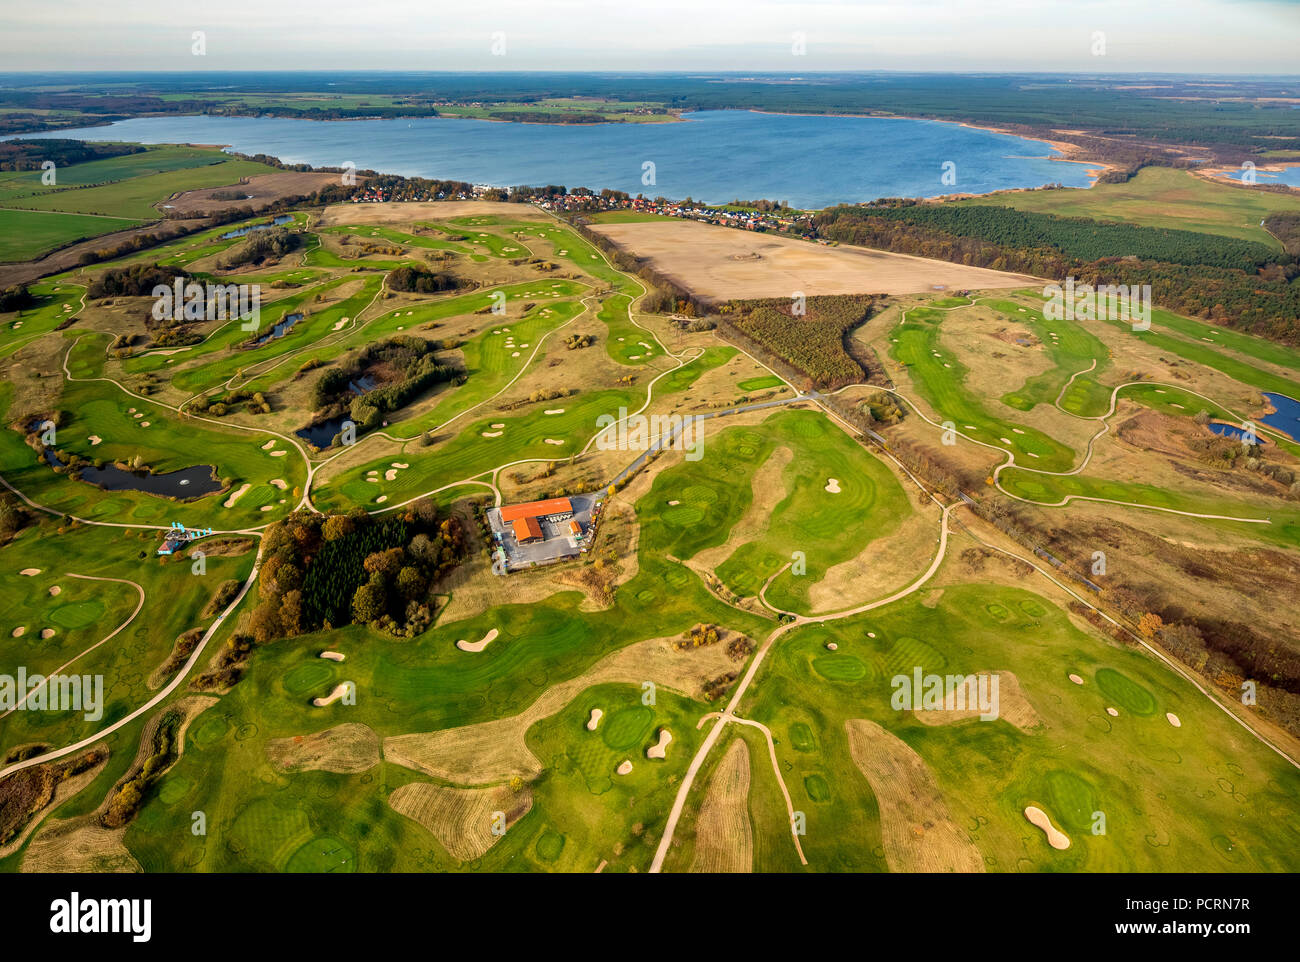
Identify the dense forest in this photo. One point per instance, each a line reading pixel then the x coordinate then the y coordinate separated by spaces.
pixel 260 246
pixel 405 367
pixel 138 280
pixel 419 280
pixel 30 154
pixel 811 342
pixel 1264 302
pixel 327 572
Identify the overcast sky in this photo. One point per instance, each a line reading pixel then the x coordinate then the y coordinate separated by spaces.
pixel 1188 36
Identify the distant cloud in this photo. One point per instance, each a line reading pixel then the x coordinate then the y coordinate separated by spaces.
pixel 1190 36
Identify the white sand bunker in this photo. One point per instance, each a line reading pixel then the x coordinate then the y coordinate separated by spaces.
pixel 492 434
pixel 55 590
pixel 553 441
pixel 479 645
pixel 339 691
pixel 18 632
pixel 660 750
pixel 554 411
pixel 94 439
pixel 596 715
pixel 1113 713
pixel 268 445
pixel 833 485
pixel 339 324
pixel 265 507
pixel 279 483
pixel 515 354
pixel 1173 719
pixel 400 464
pixel 1055 838
pixel 496 426
pixel 381 499
pixel 625 768
pixel 235 496
pixel 1076 679
pixel 28 572
pixel 278 454
pixel 390 474
pixel 832 646
pixel 144 424
pixel 332 655
pixel 47 632
pixel 672 503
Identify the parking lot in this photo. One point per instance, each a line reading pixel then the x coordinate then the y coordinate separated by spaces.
pixel 558 541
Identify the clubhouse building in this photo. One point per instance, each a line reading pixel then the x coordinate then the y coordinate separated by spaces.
pixel 538 532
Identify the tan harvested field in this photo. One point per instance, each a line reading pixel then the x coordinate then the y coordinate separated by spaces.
pixel 79 845
pixel 406 213
pixel 345 749
pixel 724 838
pixel 461 818
pixel 719 263
pixel 495 751
pixel 265 189
pixel 1013 706
pixel 917 830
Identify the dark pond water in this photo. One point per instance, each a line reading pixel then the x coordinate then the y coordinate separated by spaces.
pixel 1232 431
pixel 282 219
pixel 185 484
pixel 280 329
pixel 1287 416
pixel 322 434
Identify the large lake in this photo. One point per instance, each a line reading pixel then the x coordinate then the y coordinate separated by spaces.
pixel 713 156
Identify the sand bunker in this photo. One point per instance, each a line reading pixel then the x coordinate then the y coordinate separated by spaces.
pixel 278 454
pixel 832 646
pixel 400 464
pixel 1112 712
pixel 833 485
pixel 1173 719
pixel 55 590
pixel 268 445
pixel 1055 838
pixel 660 750
pixel 381 499
pixel 1076 679
pixel 390 475
pixel 332 655
pixel 339 691
pixel 265 507
pixel 553 441
pixel 624 768
pixel 554 411
pixel 279 483
pixel 498 426
pixel 94 439
pixel 339 324
pixel 28 572
pixel 144 424
pixel 235 495
pixel 47 632
pixel 479 645
pixel 18 632
pixel 492 434
pixel 596 715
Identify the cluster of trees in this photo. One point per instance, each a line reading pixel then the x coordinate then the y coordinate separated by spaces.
pixel 576 342
pixel 27 791
pixel 218 406
pixel 30 154
pixel 698 637
pixel 16 298
pixel 137 280
pixel 812 343
pixel 419 280
pixel 415 364
pixel 130 794
pixel 327 572
pixel 261 245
